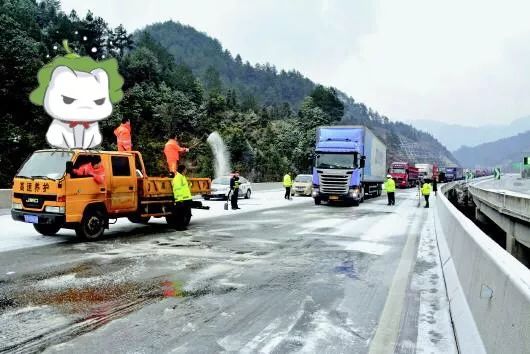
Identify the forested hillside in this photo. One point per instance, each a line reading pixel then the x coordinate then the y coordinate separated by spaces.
pixel 192 86
pixel 263 85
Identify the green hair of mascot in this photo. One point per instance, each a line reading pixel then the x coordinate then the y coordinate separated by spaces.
pixel 85 64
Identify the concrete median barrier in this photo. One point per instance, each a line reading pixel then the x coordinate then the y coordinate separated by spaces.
pixel 488 289
pixel 5 198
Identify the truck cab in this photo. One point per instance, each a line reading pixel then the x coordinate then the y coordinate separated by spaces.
pixel 349 164
pixel 404 174
pixel 48 193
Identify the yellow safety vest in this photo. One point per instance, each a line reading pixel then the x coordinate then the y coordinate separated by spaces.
pixel 426 189
pixel 181 188
pixel 287 182
pixel 390 185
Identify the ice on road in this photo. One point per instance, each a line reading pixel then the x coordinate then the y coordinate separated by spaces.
pixel 15 235
pixel 275 276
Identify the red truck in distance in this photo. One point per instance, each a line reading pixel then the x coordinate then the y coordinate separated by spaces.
pixel 405 174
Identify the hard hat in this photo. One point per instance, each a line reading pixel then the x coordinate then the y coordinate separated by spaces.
pixel 388 176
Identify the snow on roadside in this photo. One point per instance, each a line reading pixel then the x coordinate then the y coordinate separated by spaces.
pixel 435 330
pixel 16 235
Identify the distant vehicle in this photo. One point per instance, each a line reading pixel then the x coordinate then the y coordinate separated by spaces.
pixel 221 187
pixel 426 170
pixel 404 174
pixel 302 185
pixel 350 163
pixel 482 172
pixel 454 174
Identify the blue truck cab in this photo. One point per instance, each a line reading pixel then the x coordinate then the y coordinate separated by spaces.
pixel 350 163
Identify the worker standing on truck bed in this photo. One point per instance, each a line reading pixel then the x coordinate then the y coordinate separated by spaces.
pixel 172 150
pixel 123 135
pixel 390 187
pixel 287 183
pixel 426 191
pixel 92 168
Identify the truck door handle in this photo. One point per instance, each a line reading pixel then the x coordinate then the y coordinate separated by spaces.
pixel 131 188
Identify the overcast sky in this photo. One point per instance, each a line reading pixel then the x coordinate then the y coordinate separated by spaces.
pixel 458 61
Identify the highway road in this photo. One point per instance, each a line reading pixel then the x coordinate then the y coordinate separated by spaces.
pixel 291 277
pixel 508 182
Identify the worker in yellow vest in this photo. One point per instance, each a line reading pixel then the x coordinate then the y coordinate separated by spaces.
pixel 390 187
pixel 426 191
pixel 181 188
pixel 287 183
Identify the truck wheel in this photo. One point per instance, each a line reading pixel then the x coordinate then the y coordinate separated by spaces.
pixel 317 201
pixel 92 225
pixel 247 195
pixel 137 219
pixel 47 229
pixel 355 203
pixel 206 197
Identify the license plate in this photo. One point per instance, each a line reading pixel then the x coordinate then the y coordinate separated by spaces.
pixel 333 197
pixel 34 219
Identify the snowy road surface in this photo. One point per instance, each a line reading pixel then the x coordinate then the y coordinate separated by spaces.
pixel 277 276
pixel 509 183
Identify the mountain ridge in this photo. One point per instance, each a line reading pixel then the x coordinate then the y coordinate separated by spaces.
pixel 455 136
pixel 500 153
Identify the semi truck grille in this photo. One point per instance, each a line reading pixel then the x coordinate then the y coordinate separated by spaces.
pixel 334 184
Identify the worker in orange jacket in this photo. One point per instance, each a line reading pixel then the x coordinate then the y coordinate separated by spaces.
pixel 172 150
pixel 123 135
pixel 93 168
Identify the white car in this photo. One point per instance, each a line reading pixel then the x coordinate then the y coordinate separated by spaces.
pixel 302 185
pixel 221 187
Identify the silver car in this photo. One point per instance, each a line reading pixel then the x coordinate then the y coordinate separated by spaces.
pixel 221 187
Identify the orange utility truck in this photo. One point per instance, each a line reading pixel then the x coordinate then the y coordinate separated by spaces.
pixel 48 193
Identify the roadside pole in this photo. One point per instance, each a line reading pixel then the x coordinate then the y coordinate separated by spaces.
pixel 419 195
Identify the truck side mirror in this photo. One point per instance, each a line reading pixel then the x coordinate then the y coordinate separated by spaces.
pixel 362 163
pixel 69 167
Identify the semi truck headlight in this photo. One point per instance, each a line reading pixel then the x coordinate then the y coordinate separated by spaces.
pixel 354 192
pixel 54 209
pixel 16 205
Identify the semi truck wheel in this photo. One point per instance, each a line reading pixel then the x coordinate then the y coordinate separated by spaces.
pixel 317 201
pixel 47 229
pixel 92 225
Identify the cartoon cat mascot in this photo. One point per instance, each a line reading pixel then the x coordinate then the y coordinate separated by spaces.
pixel 77 92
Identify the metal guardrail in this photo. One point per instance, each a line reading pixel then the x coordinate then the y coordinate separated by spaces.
pixel 5 198
pixel 517 206
pixel 488 289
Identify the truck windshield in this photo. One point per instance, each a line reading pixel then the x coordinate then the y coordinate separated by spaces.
pixel 45 164
pixel 398 170
pixel 343 161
